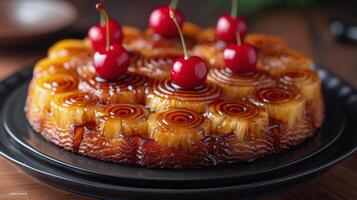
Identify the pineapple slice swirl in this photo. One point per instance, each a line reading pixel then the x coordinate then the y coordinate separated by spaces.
pixel 150 44
pixel 266 44
pixel 309 85
pixel 42 90
pixel 178 128
pixel 287 60
pixel 282 102
pixel 128 89
pixel 153 67
pixel 118 120
pixel 73 108
pixel 164 95
pixel 243 119
pixel 238 86
pixel 212 50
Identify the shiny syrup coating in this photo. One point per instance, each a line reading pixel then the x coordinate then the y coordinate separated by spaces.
pixel 238 109
pixel 180 117
pixel 254 78
pixel 58 83
pixel 77 99
pixel 167 89
pixel 124 111
pixel 127 89
pixel 275 95
pixel 298 76
pixel 154 67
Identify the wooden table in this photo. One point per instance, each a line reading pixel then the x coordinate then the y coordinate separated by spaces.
pixel 305 31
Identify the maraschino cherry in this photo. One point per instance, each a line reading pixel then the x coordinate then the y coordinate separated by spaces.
pixel 228 25
pixel 188 72
pixel 112 60
pixel 97 33
pixel 161 23
pixel 240 58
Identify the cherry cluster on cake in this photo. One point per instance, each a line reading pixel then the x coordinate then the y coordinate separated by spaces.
pixel 174 95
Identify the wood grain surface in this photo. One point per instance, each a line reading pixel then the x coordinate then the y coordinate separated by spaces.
pixel 306 31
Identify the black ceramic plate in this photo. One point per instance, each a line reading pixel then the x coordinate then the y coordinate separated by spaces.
pixel 59 177
pixel 16 125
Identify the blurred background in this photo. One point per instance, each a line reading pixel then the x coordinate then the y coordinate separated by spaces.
pixel 326 30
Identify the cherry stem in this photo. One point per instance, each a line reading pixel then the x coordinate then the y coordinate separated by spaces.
pixel 101 8
pixel 239 40
pixel 173 17
pixel 173 4
pixel 101 15
pixel 234 8
pixel 101 19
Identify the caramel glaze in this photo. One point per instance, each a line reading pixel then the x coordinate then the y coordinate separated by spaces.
pixel 211 148
pixel 237 86
pixel 153 45
pixel 42 89
pixel 153 67
pixel 167 89
pixel 212 52
pixel 278 101
pixel 145 151
pixel 211 49
pixel 165 94
pixel 309 84
pixel 128 89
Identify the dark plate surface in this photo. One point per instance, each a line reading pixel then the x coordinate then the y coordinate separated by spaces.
pixel 83 184
pixel 17 126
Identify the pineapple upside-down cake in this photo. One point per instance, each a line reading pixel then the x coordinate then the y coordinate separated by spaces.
pixel 137 98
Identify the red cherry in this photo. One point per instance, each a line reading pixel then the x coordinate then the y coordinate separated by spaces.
pixel 228 26
pixel 161 23
pixel 97 34
pixel 111 63
pixel 240 58
pixel 189 73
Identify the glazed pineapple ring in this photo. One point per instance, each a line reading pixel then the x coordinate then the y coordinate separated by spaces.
pixel 212 52
pixel 207 35
pixel 118 120
pixel 178 128
pixel 286 108
pixel 155 67
pixel 42 90
pixel 128 89
pixel 287 60
pixel 151 45
pixel 73 108
pixel 164 95
pixel 211 49
pixel 243 119
pixel 129 35
pixel 238 86
pixel 309 85
pixel 266 44
pixel 54 66
pixel 70 48
pixel 282 103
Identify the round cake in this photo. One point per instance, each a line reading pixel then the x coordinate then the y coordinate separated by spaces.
pixel 143 117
